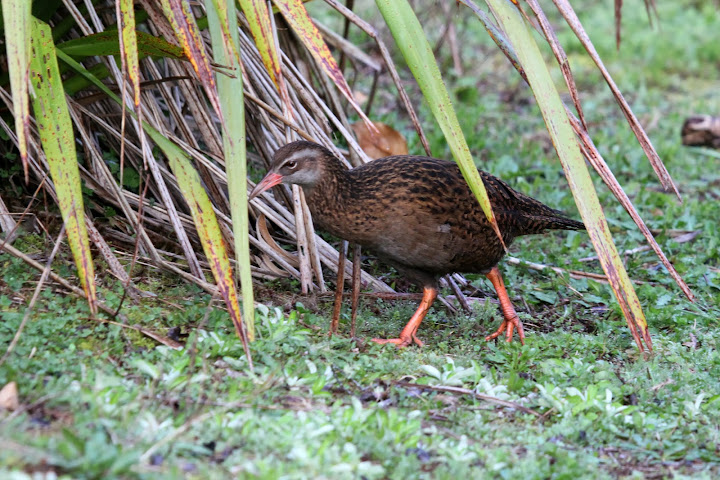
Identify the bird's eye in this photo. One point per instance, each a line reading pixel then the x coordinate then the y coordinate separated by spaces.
pixel 292 164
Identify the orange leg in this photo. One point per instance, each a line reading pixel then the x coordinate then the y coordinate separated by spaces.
pixel 407 336
pixel 510 317
pixel 335 320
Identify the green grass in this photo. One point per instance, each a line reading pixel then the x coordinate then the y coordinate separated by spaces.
pixel 100 401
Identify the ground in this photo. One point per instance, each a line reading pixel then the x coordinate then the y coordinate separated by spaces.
pixel 577 401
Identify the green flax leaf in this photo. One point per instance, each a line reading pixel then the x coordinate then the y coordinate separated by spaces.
pixel 573 162
pixel 17 39
pixel 230 91
pixel 58 142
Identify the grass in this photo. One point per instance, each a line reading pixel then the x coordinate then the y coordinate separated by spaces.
pixel 100 401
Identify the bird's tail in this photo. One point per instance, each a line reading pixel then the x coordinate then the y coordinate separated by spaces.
pixel 530 223
pixel 524 213
pixel 537 217
pixel 559 222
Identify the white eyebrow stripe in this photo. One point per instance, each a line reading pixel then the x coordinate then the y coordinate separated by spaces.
pixel 299 155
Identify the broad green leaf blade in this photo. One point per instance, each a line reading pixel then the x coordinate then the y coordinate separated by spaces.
pixel 183 22
pixel 222 10
pixel 230 92
pixel 106 43
pixel 301 23
pixel 58 142
pixel 207 226
pixel 17 40
pixel 410 38
pixel 573 163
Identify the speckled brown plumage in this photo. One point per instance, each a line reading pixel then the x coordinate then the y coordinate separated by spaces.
pixel 416 213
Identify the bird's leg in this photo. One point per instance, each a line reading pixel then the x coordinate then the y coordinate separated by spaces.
pixel 407 336
pixel 357 258
pixel 510 317
pixel 335 320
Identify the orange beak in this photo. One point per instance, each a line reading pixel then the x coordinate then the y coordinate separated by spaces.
pixel 269 181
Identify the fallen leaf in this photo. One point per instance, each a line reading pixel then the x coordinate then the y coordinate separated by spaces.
pixel 693 343
pixel 701 130
pixel 388 142
pixel 9 397
pixel 687 237
pixel 667 382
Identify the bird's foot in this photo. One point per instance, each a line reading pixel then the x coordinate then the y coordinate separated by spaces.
pixel 508 326
pixel 400 342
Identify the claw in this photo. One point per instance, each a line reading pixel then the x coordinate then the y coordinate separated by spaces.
pixel 508 327
pixel 407 336
pixel 511 321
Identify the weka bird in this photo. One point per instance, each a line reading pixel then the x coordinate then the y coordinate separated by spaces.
pixel 417 214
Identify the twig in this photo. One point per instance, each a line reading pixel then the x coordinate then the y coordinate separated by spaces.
pixel 458 293
pixel 7 224
pixel 339 285
pixel 573 273
pixel 682 237
pixel 168 342
pixel 355 288
pixel 25 408
pixel 660 385
pixel 465 391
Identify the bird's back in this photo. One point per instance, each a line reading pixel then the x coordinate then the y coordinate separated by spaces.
pixel 420 213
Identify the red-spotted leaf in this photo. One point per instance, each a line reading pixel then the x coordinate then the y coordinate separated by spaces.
pixel 201 210
pixel 125 12
pixel 258 17
pixel 221 8
pixel 58 142
pixel 181 18
pixel 16 16
pixel 301 23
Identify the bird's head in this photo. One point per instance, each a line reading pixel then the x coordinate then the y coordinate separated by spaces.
pixel 301 163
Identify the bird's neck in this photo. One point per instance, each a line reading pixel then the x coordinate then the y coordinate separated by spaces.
pixel 332 177
pixel 326 197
